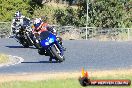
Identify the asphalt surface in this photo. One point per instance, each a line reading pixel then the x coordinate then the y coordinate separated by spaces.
pixel 80 53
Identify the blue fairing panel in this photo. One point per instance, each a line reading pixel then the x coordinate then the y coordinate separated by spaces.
pixel 48 41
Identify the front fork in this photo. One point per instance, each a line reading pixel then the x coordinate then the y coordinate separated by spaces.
pixel 17 37
pixel 59 50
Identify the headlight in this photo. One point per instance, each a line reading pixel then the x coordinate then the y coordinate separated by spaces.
pixel 51 40
pixel 46 43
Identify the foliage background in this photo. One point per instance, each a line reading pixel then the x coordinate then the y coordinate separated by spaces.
pixel 102 13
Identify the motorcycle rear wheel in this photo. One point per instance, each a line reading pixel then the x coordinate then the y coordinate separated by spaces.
pixel 37 45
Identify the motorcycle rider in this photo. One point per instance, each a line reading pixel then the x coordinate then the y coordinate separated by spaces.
pixel 19 21
pixel 39 26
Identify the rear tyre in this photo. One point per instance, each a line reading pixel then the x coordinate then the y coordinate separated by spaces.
pixel 41 51
pixel 55 50
pixel 37 45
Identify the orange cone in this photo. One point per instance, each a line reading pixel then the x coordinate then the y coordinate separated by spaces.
pixel 86 74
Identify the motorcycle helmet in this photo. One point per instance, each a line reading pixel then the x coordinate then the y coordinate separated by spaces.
pixel 37 22
pixel 17 16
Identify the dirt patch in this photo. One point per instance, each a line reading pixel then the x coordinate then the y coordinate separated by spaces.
pixel 71 36
pixel 4 58
pixel 113 73
pixel 62 6
pixel 110 38
pixel 10 60
pixel 60 75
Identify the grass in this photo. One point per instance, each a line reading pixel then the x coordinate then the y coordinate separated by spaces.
pixel 62 83
pixel 3 58
pixel 42 84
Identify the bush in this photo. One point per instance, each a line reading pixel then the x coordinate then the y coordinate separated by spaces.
pixel 9 7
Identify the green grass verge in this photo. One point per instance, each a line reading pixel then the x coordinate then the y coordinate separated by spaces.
pixel 61 83
pixel 3 58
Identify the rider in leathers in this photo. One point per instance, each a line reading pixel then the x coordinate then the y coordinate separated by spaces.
pixel 39 27
pixel 19 21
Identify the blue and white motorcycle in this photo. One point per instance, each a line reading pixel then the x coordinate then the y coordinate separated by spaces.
pixel 51 47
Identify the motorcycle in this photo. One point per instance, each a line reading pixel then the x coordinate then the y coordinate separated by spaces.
pixel 51 47
pixel 25 37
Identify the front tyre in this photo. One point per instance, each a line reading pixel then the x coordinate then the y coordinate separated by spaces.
pixel 57 53
pixel 24 43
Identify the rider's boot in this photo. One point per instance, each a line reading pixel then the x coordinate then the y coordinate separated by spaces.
pixel 50 59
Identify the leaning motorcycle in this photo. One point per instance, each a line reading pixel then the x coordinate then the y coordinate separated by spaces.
pixel 24 36
pixel 51 47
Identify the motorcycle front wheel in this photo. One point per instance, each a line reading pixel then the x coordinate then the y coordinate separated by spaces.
pixel 57 53
pixel 24 43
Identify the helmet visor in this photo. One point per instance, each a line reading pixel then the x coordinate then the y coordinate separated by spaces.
pixel 37 25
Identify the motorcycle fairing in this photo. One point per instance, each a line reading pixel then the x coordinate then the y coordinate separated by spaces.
pixel 48 41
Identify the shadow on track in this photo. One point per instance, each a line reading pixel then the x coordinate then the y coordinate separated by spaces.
pixel 19 47
pixel 42 62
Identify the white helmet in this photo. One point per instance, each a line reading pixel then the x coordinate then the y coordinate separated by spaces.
pixel 37 22
pixel 18 15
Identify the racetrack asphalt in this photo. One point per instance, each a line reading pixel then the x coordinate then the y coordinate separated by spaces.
pixel 96 55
